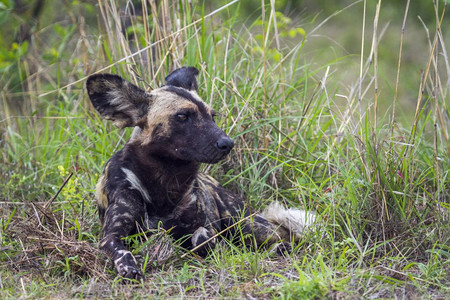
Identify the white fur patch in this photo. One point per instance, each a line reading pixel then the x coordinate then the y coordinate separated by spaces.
pixel 136 184
pixel 122 254
pixel 204 233
pixel 201 232
pixel 136 133
pixel 297 221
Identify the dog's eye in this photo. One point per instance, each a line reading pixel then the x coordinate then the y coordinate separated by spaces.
pixel 182 117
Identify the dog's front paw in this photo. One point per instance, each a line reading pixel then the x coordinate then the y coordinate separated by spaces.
pixel 201 238
pixel 126 266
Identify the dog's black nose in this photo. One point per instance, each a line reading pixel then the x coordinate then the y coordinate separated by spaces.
pixel 225 144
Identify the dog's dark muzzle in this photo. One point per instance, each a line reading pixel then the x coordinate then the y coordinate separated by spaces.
pixel 217 150
pixel 224 145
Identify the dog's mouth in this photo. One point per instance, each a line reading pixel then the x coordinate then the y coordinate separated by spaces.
pixel 217 158
pixel 212 154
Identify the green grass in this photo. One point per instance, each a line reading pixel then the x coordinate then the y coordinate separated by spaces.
pixel 330 133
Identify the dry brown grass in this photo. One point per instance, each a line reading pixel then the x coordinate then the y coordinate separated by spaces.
pixel 46 242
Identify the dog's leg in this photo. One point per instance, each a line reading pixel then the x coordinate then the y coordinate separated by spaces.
pixel 200 236
pixel 276 225
pixel 280 226
pixel 268 234
pixel 120 221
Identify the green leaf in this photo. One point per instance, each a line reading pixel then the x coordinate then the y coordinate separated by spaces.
pixel 5 9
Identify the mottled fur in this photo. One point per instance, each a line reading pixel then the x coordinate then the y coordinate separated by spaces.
pixel 155 179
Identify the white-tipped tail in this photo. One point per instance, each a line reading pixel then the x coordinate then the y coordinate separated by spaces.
pixel 296 221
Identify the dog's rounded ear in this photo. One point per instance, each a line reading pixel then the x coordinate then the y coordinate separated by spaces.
pixel 117 99
pixel 184 78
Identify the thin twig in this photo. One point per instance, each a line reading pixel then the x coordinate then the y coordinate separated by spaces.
pixel 398 69
pixel 46 205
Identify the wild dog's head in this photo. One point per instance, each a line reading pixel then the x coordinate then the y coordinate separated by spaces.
pixel 173 120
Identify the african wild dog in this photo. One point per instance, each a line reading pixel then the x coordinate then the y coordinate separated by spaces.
pixel 155 177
